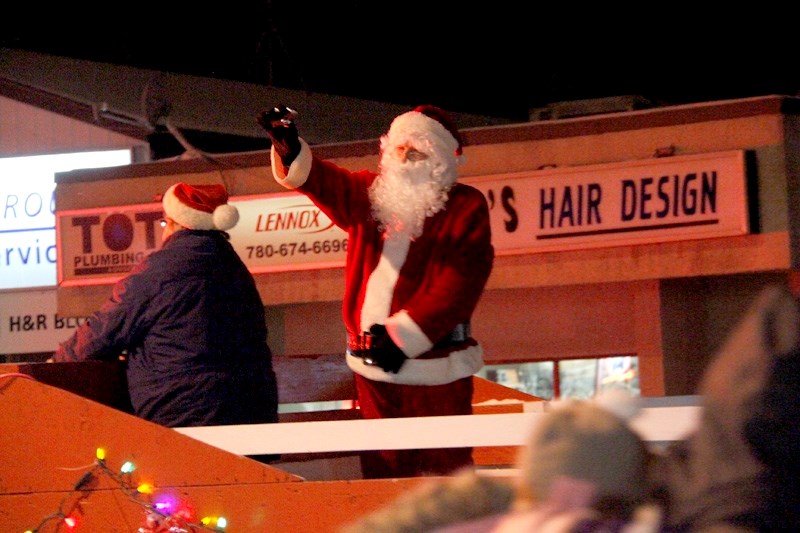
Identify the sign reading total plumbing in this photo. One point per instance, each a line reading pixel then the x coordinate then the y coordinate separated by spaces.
pixel 634 202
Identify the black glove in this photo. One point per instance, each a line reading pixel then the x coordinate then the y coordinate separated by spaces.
pixel 383 352
pixel 279 124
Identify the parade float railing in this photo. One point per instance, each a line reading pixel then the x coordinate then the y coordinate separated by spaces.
pixel 52 432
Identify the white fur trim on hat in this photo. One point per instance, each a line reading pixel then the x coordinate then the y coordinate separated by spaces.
pixel 414 124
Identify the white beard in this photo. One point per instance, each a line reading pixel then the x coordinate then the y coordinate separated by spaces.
pixel 404 195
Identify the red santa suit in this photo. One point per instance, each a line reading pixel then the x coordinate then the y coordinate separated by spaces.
pixel 424 289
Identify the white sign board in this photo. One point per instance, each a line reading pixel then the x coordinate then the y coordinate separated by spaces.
pixel 29 322
pixel 27 220
pixel 634 202
pixel 286 232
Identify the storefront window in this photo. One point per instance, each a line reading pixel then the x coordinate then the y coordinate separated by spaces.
pixel 576 378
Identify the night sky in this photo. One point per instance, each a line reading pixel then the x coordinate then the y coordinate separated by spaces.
pixel 500 58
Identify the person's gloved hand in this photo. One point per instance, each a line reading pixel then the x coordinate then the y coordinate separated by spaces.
pixel 383 352
pixel 279 124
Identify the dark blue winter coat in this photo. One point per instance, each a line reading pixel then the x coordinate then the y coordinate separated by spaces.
pixel 191 322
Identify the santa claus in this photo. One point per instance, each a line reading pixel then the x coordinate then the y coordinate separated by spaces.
pixel 419 256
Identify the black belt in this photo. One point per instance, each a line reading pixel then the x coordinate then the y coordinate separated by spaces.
pixel 359 345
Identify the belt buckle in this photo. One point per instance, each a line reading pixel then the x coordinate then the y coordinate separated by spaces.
pixel 457 335
pixel 460 333
pixel 365 339
pixel 363 344
pixel 363 355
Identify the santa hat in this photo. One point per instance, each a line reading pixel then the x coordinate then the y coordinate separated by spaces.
pixel 431 123
pixel 203 207
pixel 589 443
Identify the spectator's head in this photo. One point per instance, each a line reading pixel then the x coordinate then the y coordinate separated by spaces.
pixel 587 448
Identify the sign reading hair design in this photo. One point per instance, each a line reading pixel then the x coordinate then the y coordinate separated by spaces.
pixel 634 202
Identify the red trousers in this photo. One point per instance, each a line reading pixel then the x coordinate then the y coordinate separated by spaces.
pixel 388 400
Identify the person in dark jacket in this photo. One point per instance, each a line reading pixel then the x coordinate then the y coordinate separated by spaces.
pixel 189 321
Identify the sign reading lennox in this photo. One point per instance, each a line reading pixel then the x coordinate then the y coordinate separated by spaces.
pixel 286 231
pixel 666 199
pixel 645 201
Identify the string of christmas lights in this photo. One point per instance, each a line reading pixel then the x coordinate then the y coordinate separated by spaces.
pixel 164 514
